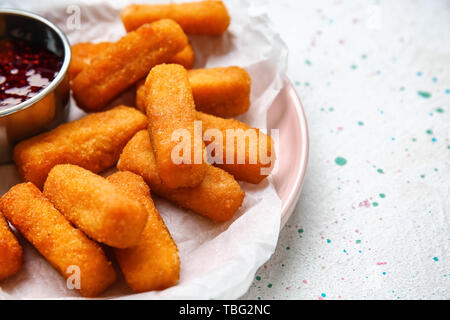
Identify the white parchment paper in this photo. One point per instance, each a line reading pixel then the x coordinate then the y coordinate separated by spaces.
pixel 218 260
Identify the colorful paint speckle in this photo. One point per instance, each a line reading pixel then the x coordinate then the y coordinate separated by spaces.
pixel 372 220
pixel 340 161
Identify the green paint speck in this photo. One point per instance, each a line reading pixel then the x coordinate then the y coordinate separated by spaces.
pixel 360 123
pixel 380 171
pixel 422 176
pixel 328 240
pixel 424 94
pixel 331 109
pixel 440 110
pixel 258 278
pixel 436 259
pixel 269 285
pixel 297 83
pixel 375 204
pixel 300 230
pixel 429 131
pixel 308 62
pixel 288 248
pixel 354 66
pixel 382 195
pixel 340 161
pixel 358 241
pixel 364 56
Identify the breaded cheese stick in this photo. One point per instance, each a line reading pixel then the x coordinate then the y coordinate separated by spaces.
pixel 217 197
pixel 95 205
pixel 65 247
pixel 203 17
pixel 153 264
pixel 171 109
pixel 185 57
pixel 84 52
pixel 82 55
pixel 244 154
pixel 11 254
pixel 126 61
pixel 93 142
pixel 223 92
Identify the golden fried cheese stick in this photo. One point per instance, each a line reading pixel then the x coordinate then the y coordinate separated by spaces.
pixel 84 52
pixel 126 61
pixel 65 247
pixel 185 57
pixel 82 55
pixel 218 196
pixel 223 92
pixel 95 205
pixel 11 254
pixel 153 264
pixel 93 142
pixel 171 109
pixel 203 17
pixel 245 143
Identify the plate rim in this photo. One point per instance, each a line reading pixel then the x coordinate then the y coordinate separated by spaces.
pixel 289 205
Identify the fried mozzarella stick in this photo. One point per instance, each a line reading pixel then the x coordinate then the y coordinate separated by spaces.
pixel 82 55
pixel 223 92
pixel 93 142
pixel 217 197
pixel 84 52
pixel 247 153
pixel 95 205
pixel 126 61
pixel 203 18
pixel 65 247
pixel 153 264
pixel 11 254
pixel 171 113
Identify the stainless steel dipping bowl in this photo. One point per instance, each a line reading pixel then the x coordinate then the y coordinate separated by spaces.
pixel 46 109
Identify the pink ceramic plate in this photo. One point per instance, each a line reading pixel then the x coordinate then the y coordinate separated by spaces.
pixel 287 114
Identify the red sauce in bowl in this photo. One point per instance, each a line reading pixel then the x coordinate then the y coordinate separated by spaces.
pixel 25 69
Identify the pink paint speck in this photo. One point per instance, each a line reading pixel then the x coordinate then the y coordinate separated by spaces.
pixel 305 282
pixel 320 298
pixel 365 203
pixel 381 263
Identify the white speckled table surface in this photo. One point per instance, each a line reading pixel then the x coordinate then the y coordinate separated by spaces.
pixel 373 220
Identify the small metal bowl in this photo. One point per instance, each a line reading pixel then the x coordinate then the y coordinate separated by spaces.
pixel 46 109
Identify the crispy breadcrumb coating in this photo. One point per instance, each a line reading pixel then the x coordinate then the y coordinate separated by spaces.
pixel 126 61
pixel 95 205
pixel 201 17
pixel 153 264
pixel 171 109
pixel 11 254
pixel 93 142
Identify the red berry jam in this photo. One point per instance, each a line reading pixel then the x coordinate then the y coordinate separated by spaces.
pixel 25 69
